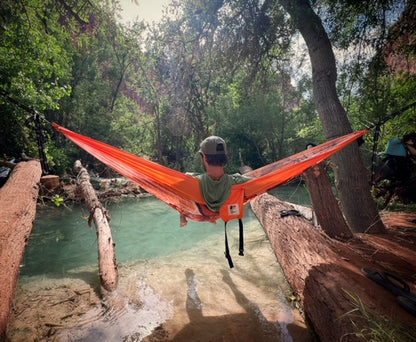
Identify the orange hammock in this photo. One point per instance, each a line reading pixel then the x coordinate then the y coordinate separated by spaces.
pixel 182 191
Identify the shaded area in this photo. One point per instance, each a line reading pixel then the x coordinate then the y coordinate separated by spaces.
pixel 249 326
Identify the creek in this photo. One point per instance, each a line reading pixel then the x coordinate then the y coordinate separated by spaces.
pixel 142 228
pixel 174 280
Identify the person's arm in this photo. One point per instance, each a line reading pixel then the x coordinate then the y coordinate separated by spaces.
pixel 238 178
pixel 410 146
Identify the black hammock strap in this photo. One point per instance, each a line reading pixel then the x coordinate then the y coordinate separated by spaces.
pixel 241 242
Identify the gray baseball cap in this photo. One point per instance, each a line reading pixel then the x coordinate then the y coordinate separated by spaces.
pixel 213 145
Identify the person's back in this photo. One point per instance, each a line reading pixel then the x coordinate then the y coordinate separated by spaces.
pixel 215 184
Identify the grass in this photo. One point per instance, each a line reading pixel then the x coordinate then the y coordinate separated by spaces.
pixel 399 206
pixel 376 327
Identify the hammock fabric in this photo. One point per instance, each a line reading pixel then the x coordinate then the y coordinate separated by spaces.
pixel 182 192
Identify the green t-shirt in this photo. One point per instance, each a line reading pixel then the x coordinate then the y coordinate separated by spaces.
pixel 215 193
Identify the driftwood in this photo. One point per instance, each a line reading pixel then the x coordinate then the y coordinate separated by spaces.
pixel 322 272
pixel 106 253
pixel 17 213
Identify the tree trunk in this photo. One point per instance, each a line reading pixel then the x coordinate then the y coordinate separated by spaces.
pixel 17 213
pixel 322 272
pixel 353 186
pixel 106 255
pixel 325 204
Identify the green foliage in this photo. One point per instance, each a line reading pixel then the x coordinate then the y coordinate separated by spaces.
pixel 376 328
pixel 266 119
pixel 359 23
pixel 57 200
pixel 34 67
pixel 374 84
pixel 33 61
pixel 12 137
pixel 59 158
pixel 132 129
pixel 216 67
pixel 380 103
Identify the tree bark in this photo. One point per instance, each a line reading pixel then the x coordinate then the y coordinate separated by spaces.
pixel 351 176
pixel 17 213
pixel 106 254
pixel 325 204
pixel 322 272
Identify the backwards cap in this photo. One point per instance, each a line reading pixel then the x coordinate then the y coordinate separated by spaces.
pixel 213 145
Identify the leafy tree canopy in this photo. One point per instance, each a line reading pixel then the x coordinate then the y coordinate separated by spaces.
pixel 211 67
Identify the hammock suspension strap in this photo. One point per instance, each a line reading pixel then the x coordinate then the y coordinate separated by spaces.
pixel 241 242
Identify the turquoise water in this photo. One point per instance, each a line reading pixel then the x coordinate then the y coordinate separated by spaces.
pixel 171 280
pixel 142 229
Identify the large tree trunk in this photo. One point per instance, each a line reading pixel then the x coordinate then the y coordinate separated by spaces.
pixel 325 204
pixel 106 255
pixel 17 213
pixel 322 272
pixel 353 186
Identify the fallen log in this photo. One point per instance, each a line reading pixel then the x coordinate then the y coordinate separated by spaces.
pixel 323 271
pixel 108 270
pixel 17 213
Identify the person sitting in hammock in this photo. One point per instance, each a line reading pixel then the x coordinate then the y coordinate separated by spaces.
pixel 215 184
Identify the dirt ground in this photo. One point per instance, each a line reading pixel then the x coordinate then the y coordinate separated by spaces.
pixel 393 252
pixel 73 311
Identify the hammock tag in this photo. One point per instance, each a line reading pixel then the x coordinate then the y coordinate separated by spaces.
pixel 233 208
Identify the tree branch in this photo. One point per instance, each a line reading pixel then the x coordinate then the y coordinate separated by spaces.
pixel 394 115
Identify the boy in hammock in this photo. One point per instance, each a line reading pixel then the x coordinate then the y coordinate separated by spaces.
pixel 215 184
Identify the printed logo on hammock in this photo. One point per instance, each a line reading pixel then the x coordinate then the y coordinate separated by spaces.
pixel 233 209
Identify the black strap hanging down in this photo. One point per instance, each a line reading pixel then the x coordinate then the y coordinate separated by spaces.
pixel 240 224
pixel 227 250
pixel 241 243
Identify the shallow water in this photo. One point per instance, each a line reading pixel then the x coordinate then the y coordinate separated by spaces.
pixel 142 228
pixel 174 283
